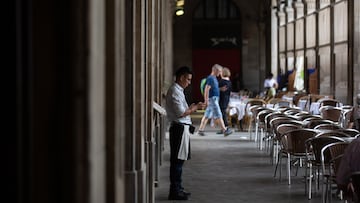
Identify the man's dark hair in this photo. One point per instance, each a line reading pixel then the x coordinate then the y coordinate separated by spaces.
pixel 183 71
pixel 269 75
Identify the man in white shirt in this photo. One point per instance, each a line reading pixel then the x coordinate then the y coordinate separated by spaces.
pixel 178 113
pixel 270 82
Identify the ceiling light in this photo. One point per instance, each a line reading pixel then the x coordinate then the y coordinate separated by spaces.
pixel 180 3
pixel 180 12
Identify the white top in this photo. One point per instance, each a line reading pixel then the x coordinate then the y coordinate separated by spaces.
pixel 269 82
pixel 176 105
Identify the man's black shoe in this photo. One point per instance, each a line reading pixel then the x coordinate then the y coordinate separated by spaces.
pixel 182 189
pixel 178 196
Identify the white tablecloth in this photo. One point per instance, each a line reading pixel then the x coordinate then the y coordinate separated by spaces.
pixel 302 105
pixel 237 107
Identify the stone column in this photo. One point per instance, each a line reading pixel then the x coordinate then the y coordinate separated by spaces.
pixel 281 16
pixel 274 39
pixel 289 13
pixel 356 49
pixel 96 98
pixel 299 8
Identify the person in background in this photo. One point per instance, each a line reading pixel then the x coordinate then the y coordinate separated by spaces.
pixel 350 162
pixel 225 90
pixel 178 113
pixel 270 93
pixel 270 82
pixel 211 100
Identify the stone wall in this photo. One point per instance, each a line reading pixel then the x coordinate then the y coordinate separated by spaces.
pixel 253 44
pixel 356 72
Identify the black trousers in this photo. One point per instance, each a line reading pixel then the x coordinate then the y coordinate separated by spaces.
pixel 224 116
pixel 176 131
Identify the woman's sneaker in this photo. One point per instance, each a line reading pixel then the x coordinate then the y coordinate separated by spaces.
pixel 227 132
pixel 201 133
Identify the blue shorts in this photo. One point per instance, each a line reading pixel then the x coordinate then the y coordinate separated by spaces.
pixel 213 108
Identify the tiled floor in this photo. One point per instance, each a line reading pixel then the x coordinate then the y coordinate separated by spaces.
pixel 232 169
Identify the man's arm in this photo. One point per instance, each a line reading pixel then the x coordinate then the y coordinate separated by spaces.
pixel 192 108
pixel 206 94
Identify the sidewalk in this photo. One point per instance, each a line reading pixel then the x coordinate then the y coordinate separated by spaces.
pixel 231 169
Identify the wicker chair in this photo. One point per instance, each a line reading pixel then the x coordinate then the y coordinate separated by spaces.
pixel 293 146
pixel 330 160
pixel 249 118
pixel 350 132
pixel 261 126
pixel 328 102
pixel 313 147
pixel 331 113
pixel 327 126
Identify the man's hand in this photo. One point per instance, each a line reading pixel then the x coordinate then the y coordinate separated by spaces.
pixel 201 105
pixel 223 88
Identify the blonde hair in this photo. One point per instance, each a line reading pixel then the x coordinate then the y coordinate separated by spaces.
pixel 226 72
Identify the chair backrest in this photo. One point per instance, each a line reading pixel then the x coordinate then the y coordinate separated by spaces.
pixel 292 111
pixel 301 116
pixel 294 140
pixel 316 144
pixel 262 114
pixel 318 97
pixel 328 102
pixel 274 123
pixel 331 155
pixel 314 122
pixel 271 116
pixel 334 133
pixel 330 113
pixel 282 109
pixel 253 102
pixel 257 109
pixel 350 132
pixel 327 126
pixel 282 129
pixel 310 118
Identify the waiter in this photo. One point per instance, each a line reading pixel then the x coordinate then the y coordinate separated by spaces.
pixel 178 113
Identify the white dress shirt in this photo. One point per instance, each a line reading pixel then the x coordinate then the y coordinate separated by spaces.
pixel 176 105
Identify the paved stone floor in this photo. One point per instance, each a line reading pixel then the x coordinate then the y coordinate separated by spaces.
pixel 231 169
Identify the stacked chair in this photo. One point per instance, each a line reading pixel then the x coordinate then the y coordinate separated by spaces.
pixel 313 148
pixel 313 142
pixel 293 147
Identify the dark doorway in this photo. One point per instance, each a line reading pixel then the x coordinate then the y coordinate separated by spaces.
pixel 216 38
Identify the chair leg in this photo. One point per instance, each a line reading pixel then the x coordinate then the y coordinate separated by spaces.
pixel 271 151
pixel 280 169
pixel 324 191
pixel 306 177
pixel 261 138
pixel 277 165
pixel 289 168
pixel 249 129
pixel 310 177
pixel 276 150
pixel 256 131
